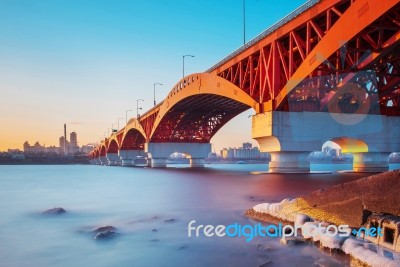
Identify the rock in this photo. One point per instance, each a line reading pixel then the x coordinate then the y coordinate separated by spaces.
pixel 260 247
pixel 154 230
pixel 106 235
pixel 183 247
pixel 266 264
pixel 105 229
pixel 292 241
pixel 170 220
pixel 55 211
pixel 154 218
pixel 349 203
pixel 105 232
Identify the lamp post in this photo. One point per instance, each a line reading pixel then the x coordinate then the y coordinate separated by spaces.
pixel 126 115
pixel 154 86
pixel 183 64
pixel 118 122
pixel 112 128
pixel 244 21
pixel 137 107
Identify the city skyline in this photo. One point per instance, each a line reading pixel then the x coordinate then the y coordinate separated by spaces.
pixel 85 63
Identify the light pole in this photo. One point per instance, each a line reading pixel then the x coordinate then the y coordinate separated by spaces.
pixel 112 128
pixel 126 115
pixel 183 64
pixel 155 91
pixel 244 21
pixel 118 122
pixel 137 107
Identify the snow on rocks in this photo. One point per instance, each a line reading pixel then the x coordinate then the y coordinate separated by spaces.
pixel 359 250
pixel 279 210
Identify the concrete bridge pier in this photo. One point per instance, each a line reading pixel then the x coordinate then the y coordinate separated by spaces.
pixel 113 159
pixel 289 162
pixel 159 152
pixel 290 136
pixel 158 162
pixel 103 160
pixel 197 163
pixel 370 162
pixel 128 156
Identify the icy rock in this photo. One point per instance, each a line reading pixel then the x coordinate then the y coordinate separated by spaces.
pixel 301 219
pixel 106 235
pixel 105 229
pixel 357 250
pixel 292 241
pixel 55 211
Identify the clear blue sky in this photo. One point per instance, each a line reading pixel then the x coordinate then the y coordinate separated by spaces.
pixel 85 62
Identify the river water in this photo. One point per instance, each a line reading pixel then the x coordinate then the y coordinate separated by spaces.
pixel 151 209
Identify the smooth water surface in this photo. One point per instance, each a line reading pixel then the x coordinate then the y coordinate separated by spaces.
pixel 140 202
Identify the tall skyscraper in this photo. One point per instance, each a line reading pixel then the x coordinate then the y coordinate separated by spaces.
pixel 62 145
pixel 73 139
pixel 73 144
pixel 65 139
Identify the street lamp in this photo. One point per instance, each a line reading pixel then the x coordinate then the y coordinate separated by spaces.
pixel 183 65
pixel 244 22
pixel 118 122
pixel 137 107
pixel 112 128
pixel 155 91
pixel 126 115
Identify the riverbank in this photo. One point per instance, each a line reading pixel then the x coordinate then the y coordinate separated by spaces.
pixel 45 161
pixel 363 204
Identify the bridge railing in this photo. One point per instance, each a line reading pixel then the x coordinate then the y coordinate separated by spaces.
pixel 267 32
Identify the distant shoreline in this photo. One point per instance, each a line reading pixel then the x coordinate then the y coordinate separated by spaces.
pixel 41 161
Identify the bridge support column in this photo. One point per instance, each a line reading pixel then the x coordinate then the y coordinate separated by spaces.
pixel 307 131
pixel 128 156
pixel 96 161
pixel 113 159
pixel 161 151
pixel 159 163
pixel 103 160
pixel 370 162
pixel 289 162
pixel 197 163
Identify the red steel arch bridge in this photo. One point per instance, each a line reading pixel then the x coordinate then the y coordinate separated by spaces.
pixel 330 70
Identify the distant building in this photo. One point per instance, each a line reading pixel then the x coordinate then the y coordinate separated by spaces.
pixel 16 154
pixel 26 146
pixel 245 152
pixel 35 149
pixel 65 148
pixel 73 144
pixel 87 149
pixel 62 143
pixel 73 139
pixel 247 145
